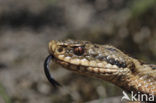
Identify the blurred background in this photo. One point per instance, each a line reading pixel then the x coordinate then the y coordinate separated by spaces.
pixel 26 27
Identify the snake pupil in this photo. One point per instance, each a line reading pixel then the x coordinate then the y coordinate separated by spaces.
pixel 78 50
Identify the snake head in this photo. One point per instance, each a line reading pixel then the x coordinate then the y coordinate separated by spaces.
pixel 90 59
pixel 103 61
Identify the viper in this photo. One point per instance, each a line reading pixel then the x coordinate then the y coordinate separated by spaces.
pixel 102 61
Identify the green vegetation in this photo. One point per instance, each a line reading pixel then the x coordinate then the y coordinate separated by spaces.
pixel 141 6
pixel 4 95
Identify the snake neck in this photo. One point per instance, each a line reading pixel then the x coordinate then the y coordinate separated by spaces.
pixel 141 79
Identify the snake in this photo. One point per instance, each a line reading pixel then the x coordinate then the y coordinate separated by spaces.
pixel 102 61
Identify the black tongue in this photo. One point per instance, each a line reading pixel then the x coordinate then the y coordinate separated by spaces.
pixel 47 71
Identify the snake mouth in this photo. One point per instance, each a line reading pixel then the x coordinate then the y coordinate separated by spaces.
pixel 87 69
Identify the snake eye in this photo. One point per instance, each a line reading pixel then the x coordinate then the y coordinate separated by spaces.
pixel 78 50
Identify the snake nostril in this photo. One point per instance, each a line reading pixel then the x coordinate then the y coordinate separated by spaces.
pixel 60 49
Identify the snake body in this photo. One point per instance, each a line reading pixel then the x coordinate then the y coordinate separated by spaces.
pixel 105 62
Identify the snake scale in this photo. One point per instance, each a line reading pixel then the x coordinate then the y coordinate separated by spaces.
pixel 105 62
